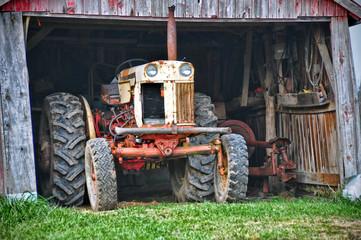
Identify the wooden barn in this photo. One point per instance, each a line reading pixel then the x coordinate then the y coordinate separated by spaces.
pixel 283 67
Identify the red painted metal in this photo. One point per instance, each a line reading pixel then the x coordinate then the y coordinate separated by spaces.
pixel 156 153
pixel 166 146
pixel 172 35
pixel 279 146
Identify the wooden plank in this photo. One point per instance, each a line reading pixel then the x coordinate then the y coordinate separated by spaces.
pixel 318 178
pixel 92 7
pixel 247 68
pixel 15 107
pixel 210 9
pixel 348 118
pixel 2 156
pixel 240 9
pixel 227 9
pixel 323 50
pixel 143 8
pixel 38 37
pixel 350 6
pixel 272 10
pixel 109 7
pixel 247 9
pixel 79 7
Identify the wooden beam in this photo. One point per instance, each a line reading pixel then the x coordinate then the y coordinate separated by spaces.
pixel 38 37
pixel 246 68
pixel 350 6
pixel 347 110
pixel 322 48
pixel 16 127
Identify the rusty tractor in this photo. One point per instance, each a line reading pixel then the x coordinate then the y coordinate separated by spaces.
pixel 151 115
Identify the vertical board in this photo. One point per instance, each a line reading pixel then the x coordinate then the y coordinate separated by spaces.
pixel 209 9
pixel 91 7
pixel 240 9
pixel 347 102
pixel 313 144
pixel 108 7
pixel 272 9
pixel 15 107
pixel 143 8
pixel 227 9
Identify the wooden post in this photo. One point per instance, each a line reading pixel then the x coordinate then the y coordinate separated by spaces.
pixel 16 128
pixel 347 110
pixel 322 48
pixel 247 69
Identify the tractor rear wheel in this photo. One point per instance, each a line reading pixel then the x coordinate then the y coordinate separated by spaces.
pixel 231 181
pixel 192 177
pixel 100 175
pixel 60 162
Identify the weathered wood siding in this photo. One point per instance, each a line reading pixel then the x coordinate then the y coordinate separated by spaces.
pixel 17 159
pixel 314 144
pixel 254 9
pixel 347 102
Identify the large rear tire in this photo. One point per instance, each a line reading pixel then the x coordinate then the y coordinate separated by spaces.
pixel 231 186
pixel 100 175
pixel 60 163
pixel 192 177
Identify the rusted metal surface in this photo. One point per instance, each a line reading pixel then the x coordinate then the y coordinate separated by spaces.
pixel 172 35
pixel 171 130
pixel 314 143
pixel 156 153
pixel 270 168
pixel 212 9
pixel 110 94
pixel 184 99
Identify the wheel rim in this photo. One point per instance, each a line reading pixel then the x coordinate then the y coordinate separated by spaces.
pixel 90 177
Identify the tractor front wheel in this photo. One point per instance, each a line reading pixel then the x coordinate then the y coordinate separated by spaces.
pixel 192 177
pixel 100 175
pixel 231 177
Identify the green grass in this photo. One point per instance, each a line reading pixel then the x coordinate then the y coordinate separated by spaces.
pixel 282 219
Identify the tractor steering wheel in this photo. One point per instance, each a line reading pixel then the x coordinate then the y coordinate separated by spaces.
pixel 129 62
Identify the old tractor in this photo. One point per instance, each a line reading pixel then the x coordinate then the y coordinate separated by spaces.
pixel 150 114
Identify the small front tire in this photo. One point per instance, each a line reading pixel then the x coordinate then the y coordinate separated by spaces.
pixel 100 175
pixel 231 185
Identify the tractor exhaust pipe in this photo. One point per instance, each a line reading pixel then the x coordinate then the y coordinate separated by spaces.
pixel 172 35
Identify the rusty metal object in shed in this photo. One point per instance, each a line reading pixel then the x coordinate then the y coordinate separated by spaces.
pixel 314 143
pixel 172 35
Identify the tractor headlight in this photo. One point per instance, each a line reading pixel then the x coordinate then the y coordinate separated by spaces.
pixel 186 70
pixel 151 70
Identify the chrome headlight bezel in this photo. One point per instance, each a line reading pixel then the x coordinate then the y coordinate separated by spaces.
pixel 151 70
pixel 186 70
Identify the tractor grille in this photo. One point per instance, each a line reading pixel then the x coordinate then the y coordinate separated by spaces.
pixel 185 108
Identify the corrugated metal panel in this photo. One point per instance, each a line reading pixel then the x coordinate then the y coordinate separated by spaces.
pixel 314 144
pixel 258 9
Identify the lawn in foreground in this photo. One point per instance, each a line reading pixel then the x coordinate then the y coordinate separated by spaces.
pixel 279 218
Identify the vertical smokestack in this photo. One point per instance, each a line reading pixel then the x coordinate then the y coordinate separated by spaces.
pixel 172 35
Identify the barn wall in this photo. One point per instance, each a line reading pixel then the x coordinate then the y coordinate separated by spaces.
pixel 17 165
pixel 241 9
